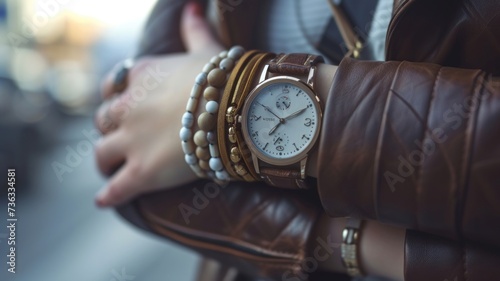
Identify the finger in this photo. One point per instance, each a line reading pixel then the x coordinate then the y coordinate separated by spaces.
pixel 195 30
pixel 119 108
pixel 116 81
pixel 107 86
pixel 110 152
pixel 102 120
pixel 122 187
pixel 113 112
pixel 110 113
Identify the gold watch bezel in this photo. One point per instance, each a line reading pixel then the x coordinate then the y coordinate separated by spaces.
pixel 244 119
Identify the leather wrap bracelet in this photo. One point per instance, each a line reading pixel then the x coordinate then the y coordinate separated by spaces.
pixel 224 136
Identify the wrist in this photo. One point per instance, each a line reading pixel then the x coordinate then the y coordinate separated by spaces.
pixel 375 238
pixel 233 105
pixel 330 230
pixel 381 238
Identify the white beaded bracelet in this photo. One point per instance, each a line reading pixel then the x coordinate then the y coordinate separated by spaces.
pixel 186 132
pixel 195 146
pixel 207 121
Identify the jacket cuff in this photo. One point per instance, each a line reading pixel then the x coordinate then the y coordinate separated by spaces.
pixel 353 113
pixel 429 257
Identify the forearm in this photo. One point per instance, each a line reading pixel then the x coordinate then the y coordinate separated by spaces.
pixel 375 238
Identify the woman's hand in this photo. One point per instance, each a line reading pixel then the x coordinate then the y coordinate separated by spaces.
pixel 141 125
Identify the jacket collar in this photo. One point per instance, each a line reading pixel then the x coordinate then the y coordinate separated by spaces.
pixel 237 21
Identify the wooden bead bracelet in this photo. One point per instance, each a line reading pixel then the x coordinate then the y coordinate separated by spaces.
pixel 202 151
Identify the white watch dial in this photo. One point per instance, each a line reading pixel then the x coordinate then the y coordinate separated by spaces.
pixel 282 120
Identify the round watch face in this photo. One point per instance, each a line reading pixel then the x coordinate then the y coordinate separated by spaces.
pixel 281 120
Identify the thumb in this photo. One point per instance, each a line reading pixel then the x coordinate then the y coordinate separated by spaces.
pixel 195 30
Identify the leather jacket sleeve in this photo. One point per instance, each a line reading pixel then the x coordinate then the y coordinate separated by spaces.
pixel 259 230
pixel 161 33
pixel 414 145
pixel 429 257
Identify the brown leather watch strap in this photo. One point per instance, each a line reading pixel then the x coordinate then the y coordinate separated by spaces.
pixel 293 64
pixel 284 178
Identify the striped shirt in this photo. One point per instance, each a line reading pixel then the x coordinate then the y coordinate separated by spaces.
pixel 298 26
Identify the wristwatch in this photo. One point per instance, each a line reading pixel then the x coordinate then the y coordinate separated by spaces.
pixel 281 120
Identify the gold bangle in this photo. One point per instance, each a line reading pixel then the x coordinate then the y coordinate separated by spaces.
pixel 222 137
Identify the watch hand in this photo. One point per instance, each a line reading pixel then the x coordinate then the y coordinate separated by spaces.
pixel 274 128
pixel 277 140
pixel 295 114
pixel 270 111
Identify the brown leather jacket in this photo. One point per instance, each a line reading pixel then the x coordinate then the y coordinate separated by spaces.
pixel 412 142
pixel 415 141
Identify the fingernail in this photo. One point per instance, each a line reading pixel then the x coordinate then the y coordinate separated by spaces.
pixel 195 8
pixel 100 198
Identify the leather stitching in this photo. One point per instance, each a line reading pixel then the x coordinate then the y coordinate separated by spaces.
pixel 251 218
pixel 307 61
pixel 157 223
pixel 268 179
pixel 278 237
pixel 283 57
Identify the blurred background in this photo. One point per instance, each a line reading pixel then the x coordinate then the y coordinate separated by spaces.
pixel 53 54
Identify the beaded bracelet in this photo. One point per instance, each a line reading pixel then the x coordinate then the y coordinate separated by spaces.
pixel 201 150
pixel 207 120
pixel 200 137
pixel 189 145
pixel 186 133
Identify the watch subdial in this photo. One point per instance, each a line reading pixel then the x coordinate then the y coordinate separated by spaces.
pixel 283 102
pixel 280 141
